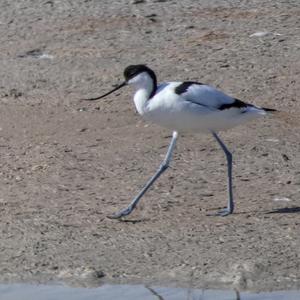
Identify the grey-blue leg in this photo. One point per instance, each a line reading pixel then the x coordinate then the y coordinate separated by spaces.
pixel 230 205
pixel 163 166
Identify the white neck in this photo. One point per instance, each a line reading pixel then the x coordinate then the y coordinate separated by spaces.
pixel 140 100
pixel 143 84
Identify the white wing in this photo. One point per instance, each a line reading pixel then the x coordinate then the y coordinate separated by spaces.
pixel 202 94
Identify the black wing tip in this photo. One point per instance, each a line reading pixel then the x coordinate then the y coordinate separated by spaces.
pixel 235 104
pixel 269 109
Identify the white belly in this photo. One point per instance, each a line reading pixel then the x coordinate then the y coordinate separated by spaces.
pixel 194 118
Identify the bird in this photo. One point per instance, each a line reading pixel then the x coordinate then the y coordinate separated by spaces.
pixel 185 107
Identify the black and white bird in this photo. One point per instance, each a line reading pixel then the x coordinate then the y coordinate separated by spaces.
pixel 185 107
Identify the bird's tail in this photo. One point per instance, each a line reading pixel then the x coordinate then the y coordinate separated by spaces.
pixel 290 118
pixel 269 109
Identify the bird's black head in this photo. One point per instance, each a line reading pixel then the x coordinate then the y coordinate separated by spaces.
pixel 134 70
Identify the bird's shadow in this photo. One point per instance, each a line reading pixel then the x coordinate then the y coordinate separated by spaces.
pixel 285 210
pixel 132 221
pixel 125 220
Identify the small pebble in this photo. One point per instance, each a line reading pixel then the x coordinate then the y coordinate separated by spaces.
pixel 282 199
pixel 138 1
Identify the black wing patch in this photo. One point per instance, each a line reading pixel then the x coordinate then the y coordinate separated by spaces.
pixel 183 87
pixel 235 104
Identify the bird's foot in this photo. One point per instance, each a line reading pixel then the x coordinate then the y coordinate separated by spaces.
pixel 222 213
pixel 122 213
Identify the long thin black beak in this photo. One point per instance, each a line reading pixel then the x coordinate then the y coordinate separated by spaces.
pixel 115 89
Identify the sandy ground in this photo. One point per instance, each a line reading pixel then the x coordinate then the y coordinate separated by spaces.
pixel 67 164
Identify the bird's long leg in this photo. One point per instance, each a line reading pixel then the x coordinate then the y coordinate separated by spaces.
pixel 163 166
pixel 230 205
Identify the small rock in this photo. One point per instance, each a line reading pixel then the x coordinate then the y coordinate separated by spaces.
pixel 207 194
pixel 263 33
pixel 14 93
pixel 82 276
pixel 282 199
pixel 152 17
pixel 260 34
pixel 33 53
pixel 138 1
pixel 18 178
pixel 285 157
pixel 38 167
pixel 50 2
pixel 272 140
